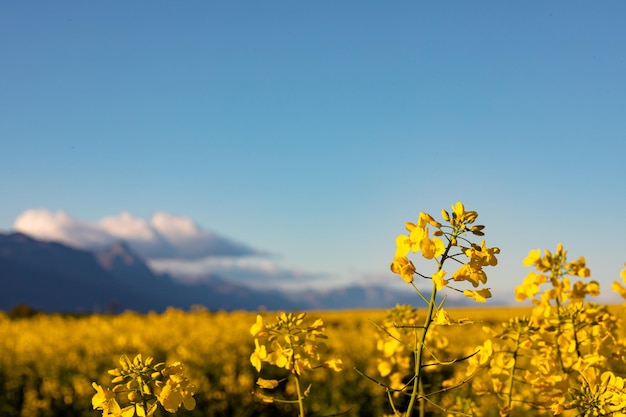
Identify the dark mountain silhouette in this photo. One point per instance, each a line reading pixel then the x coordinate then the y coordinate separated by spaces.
pixel 52 277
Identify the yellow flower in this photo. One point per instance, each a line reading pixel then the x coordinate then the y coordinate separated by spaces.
pixel 410 243
pixel 334 364
pixel 176 391
pixel 403 245
pixel 442 317
pixel 618 288
pixel 267 383
pixel 458 210
pixel 438 279
pixel 403 267
pixel 425 218
pixel 258 356
pixel 529 287
pixel 472 273
pixel 417 235
pixel 431 248
pixel 257 327
pixel 104 399
pixel 280 356
pixel 482 255
pixel 532 258
pixel 479 296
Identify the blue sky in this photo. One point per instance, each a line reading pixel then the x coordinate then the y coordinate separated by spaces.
pixel 309 132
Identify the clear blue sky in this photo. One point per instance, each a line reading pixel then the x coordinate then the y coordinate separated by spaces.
pixel 311 131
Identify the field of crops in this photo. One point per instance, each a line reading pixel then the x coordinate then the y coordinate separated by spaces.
pixel 565 355
pixel 48 361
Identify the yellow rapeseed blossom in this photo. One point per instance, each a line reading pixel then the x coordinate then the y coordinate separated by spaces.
pixel 532 258
pixel 290 344
pixel 460 222
pixel 431 248
pixel 403 267
pixel 479 296
pixel 143 385
pixel 438 279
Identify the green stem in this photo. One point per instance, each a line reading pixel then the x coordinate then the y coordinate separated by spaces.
pixel 418 389
pixel 558 332
pixel 512 378
pixel 300 396
pixel 417 393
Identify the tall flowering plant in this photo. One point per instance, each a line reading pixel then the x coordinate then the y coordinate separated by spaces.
pixel 447 244
pixel 290 344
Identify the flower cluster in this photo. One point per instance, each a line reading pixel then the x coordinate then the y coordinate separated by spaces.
pixel 143 385
pixel 286 343
pixel 598 395
pixel 555 268
pixel 410 349
pixel 459 224
pixel 290 344
pixel 562 356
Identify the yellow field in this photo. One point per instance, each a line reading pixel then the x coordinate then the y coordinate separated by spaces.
pixel 49 361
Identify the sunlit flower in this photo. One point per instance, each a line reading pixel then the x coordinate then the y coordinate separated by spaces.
pixel 533 256
pixel 479 296
pixel 403 267
pixel 431 248
pixel 438 279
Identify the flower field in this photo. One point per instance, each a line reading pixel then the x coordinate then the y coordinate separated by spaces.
pixel 562 355
pixel 48 362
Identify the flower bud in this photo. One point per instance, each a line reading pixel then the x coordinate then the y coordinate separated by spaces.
pixel 117 379
pixel 470 216
pixel 119 388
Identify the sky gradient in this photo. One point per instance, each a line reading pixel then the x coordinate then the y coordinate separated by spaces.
pixel 309 133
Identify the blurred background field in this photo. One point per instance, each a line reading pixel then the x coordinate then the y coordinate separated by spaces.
pixel 47 362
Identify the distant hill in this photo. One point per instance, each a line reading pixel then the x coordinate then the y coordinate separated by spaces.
pixel 50 276
pixel 53 277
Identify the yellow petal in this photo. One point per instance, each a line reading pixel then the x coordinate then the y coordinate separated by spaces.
pixel 479 296
pixel 438 279
pixel 533 256
pixel 267 383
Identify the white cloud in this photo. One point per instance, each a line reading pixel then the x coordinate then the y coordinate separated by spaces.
pixel 163 236
pixel 125 226
pixel 169 244
pixel 253 272
pixel 59 226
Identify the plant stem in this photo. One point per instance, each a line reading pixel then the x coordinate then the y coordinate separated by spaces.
pixel 300 397
pixel 512 378
pixel 417 394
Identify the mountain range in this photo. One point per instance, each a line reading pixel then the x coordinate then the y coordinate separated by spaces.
pixel 52 277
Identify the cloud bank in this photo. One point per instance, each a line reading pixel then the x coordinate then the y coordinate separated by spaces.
pixel 169 244
pixel 163 236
